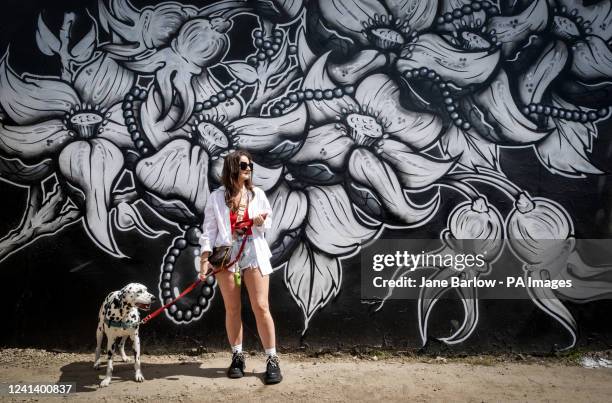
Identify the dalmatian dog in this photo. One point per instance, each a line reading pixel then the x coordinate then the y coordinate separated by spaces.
pixel 119 319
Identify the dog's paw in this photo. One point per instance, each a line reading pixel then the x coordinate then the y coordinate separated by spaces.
pixel 139 377
pixel 96 365
pixel 105 382
pixel 125 358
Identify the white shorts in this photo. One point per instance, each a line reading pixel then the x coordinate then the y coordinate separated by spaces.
pixel 248 258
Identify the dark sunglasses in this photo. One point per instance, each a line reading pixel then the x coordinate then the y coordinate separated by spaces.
pixel 244 166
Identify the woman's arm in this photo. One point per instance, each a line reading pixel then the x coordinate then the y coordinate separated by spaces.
pixel 209 227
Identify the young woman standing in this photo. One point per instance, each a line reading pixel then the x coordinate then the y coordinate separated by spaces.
pixel 238 200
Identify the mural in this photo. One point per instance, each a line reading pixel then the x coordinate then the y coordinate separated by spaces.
pixel 357 112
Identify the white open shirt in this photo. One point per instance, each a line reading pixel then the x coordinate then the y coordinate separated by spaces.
pixel 216 230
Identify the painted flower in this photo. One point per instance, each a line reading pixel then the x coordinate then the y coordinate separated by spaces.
pixel 77 124
pixel 387 25
pixel 348 179
pixel 187 162
pixel 172 41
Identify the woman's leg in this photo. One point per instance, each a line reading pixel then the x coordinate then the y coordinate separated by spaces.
pixel 257 286
pixel 231 300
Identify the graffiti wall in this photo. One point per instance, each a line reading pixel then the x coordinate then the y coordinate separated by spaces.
pixel 367 119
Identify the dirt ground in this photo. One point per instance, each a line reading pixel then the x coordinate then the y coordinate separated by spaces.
pixel 329 377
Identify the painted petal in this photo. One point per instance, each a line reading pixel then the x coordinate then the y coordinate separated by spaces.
pixel 324 110
pixel 540 74
pixel 305 56
pixel 545 299
pixel 457 65
pixel 93 167
pixel 266 178
pixel 472 150
pixel 347 15
pixel 15 171
pixel 205 86
pixel 332 226
pixel 103 82
pixel 370 171
pixel 178 170
pixel 592 59
pixel 128 217
pixel 261 134
pixel 565 151
pixel 360 65
pixel 506 121
pixel 415 171
pixel 159 132
pixel 328 144
pixel 30 99
pixel 469 299
pixel 289 208
pixel 47 42
pixel 313 279
pixel 419 14
pixel 35 141
pixel 114 130
pixel 599 14
pixel 429 296
pixel 381 95
pixel 510 30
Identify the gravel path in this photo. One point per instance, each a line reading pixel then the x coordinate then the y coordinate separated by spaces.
pixel 326 378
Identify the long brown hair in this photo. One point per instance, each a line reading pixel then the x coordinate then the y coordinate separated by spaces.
pixel 230 173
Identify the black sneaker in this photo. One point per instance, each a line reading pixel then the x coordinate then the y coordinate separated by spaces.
pixel 273 372
pixel 236 369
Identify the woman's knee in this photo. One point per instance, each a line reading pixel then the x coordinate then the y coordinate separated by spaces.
pixel 261 308
pixel 233 310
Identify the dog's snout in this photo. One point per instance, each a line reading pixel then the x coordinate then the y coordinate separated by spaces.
pixel 153 299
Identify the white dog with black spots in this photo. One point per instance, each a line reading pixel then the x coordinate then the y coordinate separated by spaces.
pixel 119 319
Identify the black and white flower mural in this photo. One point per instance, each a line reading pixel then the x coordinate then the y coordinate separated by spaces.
pixel 361 116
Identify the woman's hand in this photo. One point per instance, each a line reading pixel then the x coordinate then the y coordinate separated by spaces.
pixel 205 268
pixel 258 220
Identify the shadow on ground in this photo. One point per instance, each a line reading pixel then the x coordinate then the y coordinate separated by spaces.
pixel 88 379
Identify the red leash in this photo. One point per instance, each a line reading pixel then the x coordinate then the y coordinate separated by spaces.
pixel 246 224
pixel 163 308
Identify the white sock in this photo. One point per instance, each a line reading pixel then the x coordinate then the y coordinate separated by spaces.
pixel 271 351
pixel 237 348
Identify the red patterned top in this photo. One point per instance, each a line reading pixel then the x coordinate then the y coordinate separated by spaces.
pixel 234 217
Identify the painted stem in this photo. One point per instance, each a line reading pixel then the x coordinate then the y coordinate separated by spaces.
pixel 503 184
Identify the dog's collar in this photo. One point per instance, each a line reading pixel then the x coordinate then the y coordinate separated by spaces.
pixel 122 325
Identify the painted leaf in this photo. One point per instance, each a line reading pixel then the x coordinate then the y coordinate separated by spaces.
pixel 47 42
pixel 243 71
pixel 471 149
pixel 565 151
pixel 313 279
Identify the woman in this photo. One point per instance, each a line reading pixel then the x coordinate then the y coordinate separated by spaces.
pixel 238 200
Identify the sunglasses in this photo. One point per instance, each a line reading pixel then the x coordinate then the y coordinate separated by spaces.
pixel 244 166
